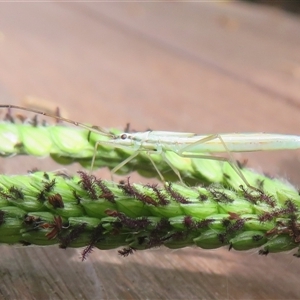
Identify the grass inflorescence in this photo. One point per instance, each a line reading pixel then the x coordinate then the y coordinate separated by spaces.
pixel 67 145
pixel 107 215
pixel 85 211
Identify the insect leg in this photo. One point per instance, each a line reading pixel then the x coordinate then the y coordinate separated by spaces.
pixel 155 167
pixel 229 160
pixel 94 154
pixel 172 167
pixel 169 164
pixel 124 162
pixel 128 159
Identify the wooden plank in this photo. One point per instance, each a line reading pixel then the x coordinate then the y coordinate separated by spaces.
pixel 179 66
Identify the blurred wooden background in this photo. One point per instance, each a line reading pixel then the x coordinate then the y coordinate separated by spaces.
pixel 200 67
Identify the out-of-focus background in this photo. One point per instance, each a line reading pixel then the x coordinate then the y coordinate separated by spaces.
pixel 206 67
pixel 292 6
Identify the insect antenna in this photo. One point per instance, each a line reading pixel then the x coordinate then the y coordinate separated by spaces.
pixel 96 129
